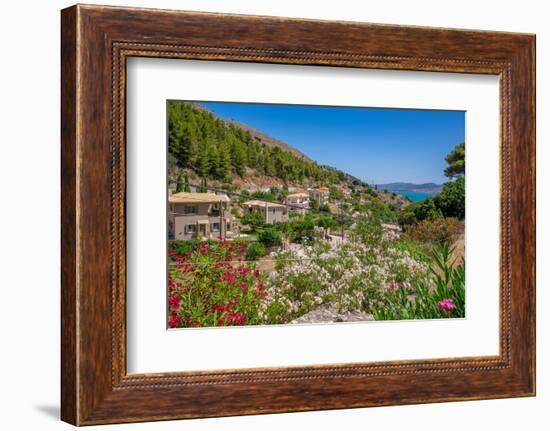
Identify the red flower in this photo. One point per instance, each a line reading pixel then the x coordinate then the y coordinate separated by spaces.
pixel 393 286
pixel 244 287
pixel 218 307
pixel 174 302
pixel 204 248
pixel 174 321
pixel 243 270
pixel 172 285
pixel 233 318
pixel 229 278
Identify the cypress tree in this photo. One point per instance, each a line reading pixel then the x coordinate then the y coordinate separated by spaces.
pixel 180 187
pixel 186 187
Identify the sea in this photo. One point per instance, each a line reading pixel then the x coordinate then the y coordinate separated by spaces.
pixel 416 196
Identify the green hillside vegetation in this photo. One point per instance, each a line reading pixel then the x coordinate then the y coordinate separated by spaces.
pixel 219 150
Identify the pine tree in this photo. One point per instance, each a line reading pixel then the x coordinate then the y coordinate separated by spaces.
pixel 239 158
pixel 204 163
pixel 180 187
pixel 224 172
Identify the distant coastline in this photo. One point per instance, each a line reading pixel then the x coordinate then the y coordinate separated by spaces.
pixel 411 187
pixel 414 192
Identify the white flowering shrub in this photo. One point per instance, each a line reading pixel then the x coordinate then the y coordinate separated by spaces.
pixel 358 274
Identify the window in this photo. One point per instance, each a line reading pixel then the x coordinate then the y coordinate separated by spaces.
pixel 190 209
pixel 190 228
pixel 215 227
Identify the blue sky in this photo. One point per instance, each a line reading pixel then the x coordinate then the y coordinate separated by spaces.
pixel 377 145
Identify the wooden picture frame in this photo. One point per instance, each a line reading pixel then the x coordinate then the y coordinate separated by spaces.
pixel 95 43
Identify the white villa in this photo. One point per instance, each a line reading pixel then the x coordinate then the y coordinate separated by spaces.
pixel 320 195
pixel 199 216
pixel 298 201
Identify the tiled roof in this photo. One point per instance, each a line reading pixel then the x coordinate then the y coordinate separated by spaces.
pixel 190 198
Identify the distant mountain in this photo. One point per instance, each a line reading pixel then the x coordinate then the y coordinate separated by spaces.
pixel 411 187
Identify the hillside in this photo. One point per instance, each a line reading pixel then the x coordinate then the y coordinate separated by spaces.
pixel 228 152
pixel 257 134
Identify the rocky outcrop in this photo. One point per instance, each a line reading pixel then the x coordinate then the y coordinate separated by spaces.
pixel 328 313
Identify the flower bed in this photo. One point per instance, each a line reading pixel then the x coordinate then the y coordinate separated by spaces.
pixel 211 285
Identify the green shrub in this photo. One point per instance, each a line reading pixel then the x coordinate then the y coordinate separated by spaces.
pixel 414 249
pixel 418 211
pixel 269 236
pixel 255 250
pixel 253 219
pixel 451 200
pixel 187 246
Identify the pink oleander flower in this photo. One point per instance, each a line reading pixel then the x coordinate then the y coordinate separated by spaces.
pixel 171 283
pixel 174 302
pixel 204 248
pixel 233 318
pixel 229 278
pixel 393 286
pixel 243 270
pixel 174 321
pixel 446 304
pixel 218 307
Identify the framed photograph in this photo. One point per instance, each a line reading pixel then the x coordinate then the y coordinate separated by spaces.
pixel 323 214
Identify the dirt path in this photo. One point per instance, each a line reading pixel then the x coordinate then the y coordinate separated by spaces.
pixel 266 264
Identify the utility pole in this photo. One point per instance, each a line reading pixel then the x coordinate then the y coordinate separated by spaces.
pixel 222 236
